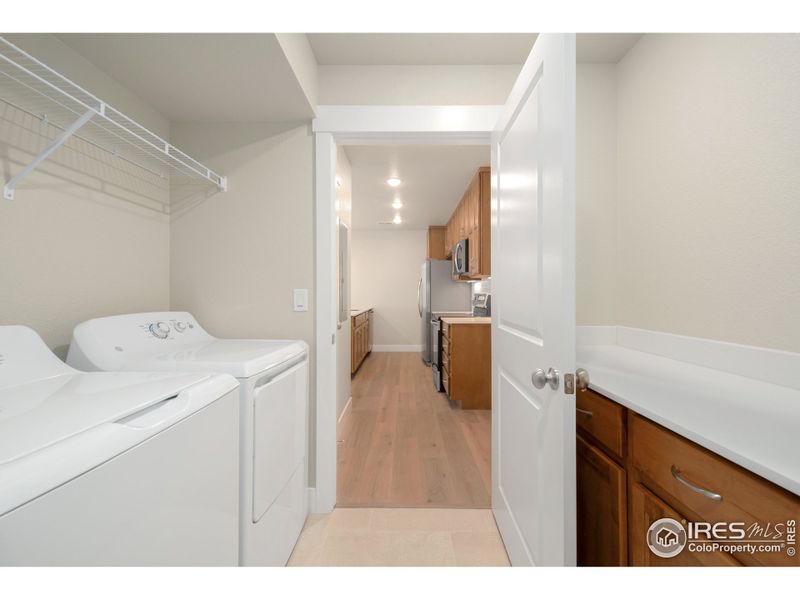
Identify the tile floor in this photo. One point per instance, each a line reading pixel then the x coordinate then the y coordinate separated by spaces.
pixel 435 537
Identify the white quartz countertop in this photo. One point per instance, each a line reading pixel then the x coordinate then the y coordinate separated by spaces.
pixel 753 423
pixel 358 311
pixel 467 320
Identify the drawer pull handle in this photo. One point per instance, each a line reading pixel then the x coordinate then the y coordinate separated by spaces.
pixel 695 488
pixel 588 413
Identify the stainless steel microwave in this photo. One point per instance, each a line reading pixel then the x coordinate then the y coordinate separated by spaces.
pixel 461 258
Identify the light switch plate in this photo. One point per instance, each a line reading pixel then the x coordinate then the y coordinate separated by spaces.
pixel 300 299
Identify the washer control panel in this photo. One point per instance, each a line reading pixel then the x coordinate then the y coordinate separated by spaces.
pixel 168 329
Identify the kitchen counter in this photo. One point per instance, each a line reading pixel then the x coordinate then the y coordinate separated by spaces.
pixel 359 311
pixel 751 422
pixel 466 320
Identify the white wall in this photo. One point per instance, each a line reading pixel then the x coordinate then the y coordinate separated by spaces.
pixel 344 214
pixel 237 256
pixel 87 235
pixel 709 218
pixel 416 84
pixel 385 273
pixel 596 188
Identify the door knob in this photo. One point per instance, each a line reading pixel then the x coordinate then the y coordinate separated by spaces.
pixel 539 378
pixel 582 379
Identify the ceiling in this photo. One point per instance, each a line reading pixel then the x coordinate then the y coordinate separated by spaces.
pixel 218 77
pixel 433 180
pixel 455 48
pixel 421 48
pixel 200 77
pixel 604 47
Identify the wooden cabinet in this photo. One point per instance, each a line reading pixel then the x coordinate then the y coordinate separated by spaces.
pixel 436 243
pixel 601 481
pixel 667 476
pixel 359 339
pixel 601 508
pixel 685 475
pixel 646 509
pixel 471 220
pixel 467 363
pixel 603 421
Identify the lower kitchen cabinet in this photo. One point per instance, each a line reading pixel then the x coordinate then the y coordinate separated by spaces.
pixel 359 339
pixel 467 362
pixel 602 510
pixel 646 509
pixel 632 472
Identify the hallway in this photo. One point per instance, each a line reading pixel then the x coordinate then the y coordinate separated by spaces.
pixel 401 444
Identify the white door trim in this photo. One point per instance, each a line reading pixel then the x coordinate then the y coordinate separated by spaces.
pixel 368 125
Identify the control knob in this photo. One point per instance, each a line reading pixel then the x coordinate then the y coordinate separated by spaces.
pixel 159 330
pixel 180 326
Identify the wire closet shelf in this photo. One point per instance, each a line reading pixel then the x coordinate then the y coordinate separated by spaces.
pixel 32 87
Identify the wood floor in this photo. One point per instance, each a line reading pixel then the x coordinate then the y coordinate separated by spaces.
pixel 402 444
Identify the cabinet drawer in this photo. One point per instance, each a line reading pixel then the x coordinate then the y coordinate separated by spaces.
pixel 678 470
pixel 602 420
pixel 446 381
pixel 445 330
pixel 445 346
pixel 646 509
pixel 360 319
pixel 445 359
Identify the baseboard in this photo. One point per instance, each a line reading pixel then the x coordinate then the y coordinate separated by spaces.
pixel 397 348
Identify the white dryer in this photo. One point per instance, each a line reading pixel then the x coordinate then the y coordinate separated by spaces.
pixel 273 377
pixel 114 468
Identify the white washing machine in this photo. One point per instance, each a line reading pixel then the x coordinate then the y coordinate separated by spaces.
pixel 114 468
pixel 273 377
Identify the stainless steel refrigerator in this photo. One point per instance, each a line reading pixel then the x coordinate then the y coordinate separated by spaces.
pixel 438 293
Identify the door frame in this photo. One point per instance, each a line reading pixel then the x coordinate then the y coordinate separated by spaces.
pixel 363 125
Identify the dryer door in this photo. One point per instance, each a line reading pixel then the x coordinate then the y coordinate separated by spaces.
pixel 279 435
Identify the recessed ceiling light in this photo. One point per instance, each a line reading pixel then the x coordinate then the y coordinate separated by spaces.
pixel 397 220
pixel 393 181
pixel 397 203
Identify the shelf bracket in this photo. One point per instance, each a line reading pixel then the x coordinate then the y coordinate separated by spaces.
pixel 11 184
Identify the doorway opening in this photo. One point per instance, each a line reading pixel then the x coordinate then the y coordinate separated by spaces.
pixel 413 361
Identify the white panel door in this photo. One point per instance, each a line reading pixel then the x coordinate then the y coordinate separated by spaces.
pixel 533 282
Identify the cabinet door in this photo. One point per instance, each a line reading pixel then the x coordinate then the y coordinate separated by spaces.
pixel 646 508
pixel 474 203
pixel 467 212
pixel 353 345
pixel 473 254
pixel 461 219
pixel 436 242
pixel 476 199
pixel 601 509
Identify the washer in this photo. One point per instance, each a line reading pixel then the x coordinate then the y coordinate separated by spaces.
pixel 273 377
pixel 114 468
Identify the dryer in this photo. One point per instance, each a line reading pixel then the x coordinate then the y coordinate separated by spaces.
pixel 273 377
pixel 114 468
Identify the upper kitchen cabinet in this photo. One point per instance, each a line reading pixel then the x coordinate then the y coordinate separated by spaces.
pixel 471 221
pixel 436 242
